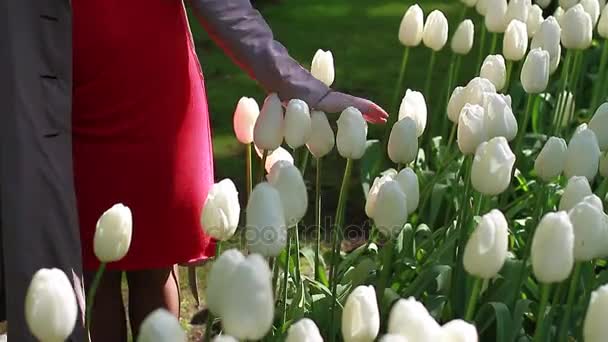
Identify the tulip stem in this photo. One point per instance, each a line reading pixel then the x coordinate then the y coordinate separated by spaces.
pixel 544 300
pixel 508 77
pixel 210 317
pixel 454 63
pixel 429 75
pixel 601 79
pixel 482 43
pixel 563 330
pixel 387 270
pixel 522 129
pixel 399 85
pixel 494 43
pixel 470 311
pixel 249 176
pixel 561 101
pixel 286 275
pixel 296 237
pixel 263 165
pixel 318 221
pixel 91 295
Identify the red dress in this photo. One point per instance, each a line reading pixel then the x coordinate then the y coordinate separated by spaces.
pixel 141 131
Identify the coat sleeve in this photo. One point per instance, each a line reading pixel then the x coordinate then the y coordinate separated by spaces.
pixel 241 31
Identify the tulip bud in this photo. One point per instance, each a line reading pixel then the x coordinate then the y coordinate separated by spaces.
pixel 577 28
pixel 474 92
pixel 552 248
pixel 161 325
pixel 266 225
pixel 219 278
pixel 269 127
pixel 435 33
pixel 352 134
pixel 286 178
pixel 566 4
pixel 392 338
pixel 412 24
pixel 471 128
pixel 535 19
pixel 458 331
pixel 455 104
pixel 604 165
pixel 577 188
pixel 409 184
pixel 499 118
pixel 390 212
pixel 113 234
pixel 50 305
pixel 322 139
pixel 602 26
pixel 248 305
pixel 518 10
pixel 273 157
pixel 469 3
pixel 496 16
pixel 372 195
pixel 599 126
pixel 548 38
pixel 224 338
pixel 482 7
pixel 360 317
pixel 410 319
pixel 462 41
pixel 297 123
pixel 494 69
pixel 595 328
pixel 535 71
pixel 602 5
pixel 550 161
pixel 515 42
pixel 305 330
pixel 543 3
pixel 592 7
pixel 486 250
pixel 403 141
pixel 245 115
pixel 221 211
pixel 589 224
pixel 492 166
pixel 583 155
pixel 413 105
pixel 322 67
pixel 559 14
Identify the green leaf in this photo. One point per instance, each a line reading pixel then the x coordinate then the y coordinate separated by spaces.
pixel 370 164
pixel 426 279
pixel 502 317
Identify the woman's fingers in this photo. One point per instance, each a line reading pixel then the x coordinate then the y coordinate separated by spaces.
pixel 336 102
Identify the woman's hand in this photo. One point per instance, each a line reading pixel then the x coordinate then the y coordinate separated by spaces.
pixel 336 102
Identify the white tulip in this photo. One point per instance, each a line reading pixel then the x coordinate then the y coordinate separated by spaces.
pixel 410 319
pixel 469 3
pixel 266 224
pixel 583 155
pixel 278 155
pixel 482 7
pixel 245 115
pixel 552 248
pixel 248 306
pixel 287 179
pixel 535 19
pixel 471 128
pixel 160 325
pixel 589 224
pixel 492 166
pixel 224 338
pixel 403 141
pixel 269 127
pixel 412 25
pixel 594 201
pixel 322 138
pixel 304 330
pixel 413 105
pixel 219 278
pixel 455 104
pixel 559 14
pixel 543 3
pixel 602 4
pixel 548 38
pixel 604 165
pixel 390 212
pixel 496 16
pixel 458 331
pixel 518 10
pixel 486 251
pixel 550 161
pixel 602 25
pixel 595 328
pixel 360 316
pixel 297 123
pixel 372 195
pixel 474 92
pixel 577 28
pixel 499 118
pixel 409 184
pixel 352 134
pixel 463 38
pixel 494 69
pixel 599 126
pixel 535 71
pixel 435 33
pixel 221 211
pixel 515 42
pixel 50 305
pixel 566 4
pixel 322 67
pixel 113 233
pixel 575 191
pixel 592 7
pixel 393 338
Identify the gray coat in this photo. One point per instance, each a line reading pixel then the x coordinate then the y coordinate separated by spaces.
pixel 37 202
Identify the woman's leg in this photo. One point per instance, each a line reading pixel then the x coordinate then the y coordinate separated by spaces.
pixel 150 290
pixel 109 321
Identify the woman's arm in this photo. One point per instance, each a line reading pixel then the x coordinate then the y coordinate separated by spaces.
pixel 244 35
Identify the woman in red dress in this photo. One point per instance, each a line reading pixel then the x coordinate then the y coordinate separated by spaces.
pixel 141 135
